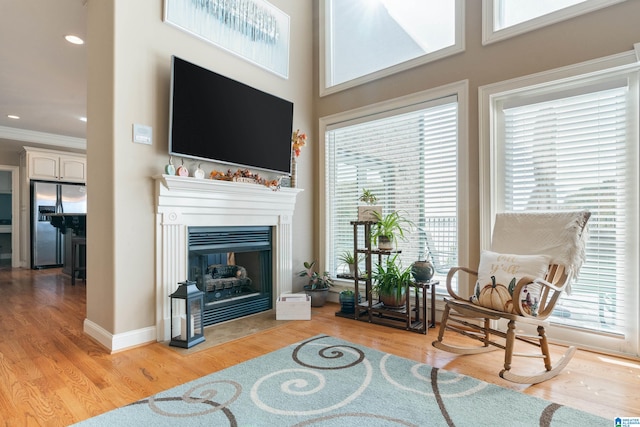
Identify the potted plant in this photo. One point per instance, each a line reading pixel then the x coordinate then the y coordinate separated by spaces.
pixel 349 259
pixel 422 270
pixel 348 301
pixel 366 212
pixel 390 282
pixel 386 231
pixel 318 286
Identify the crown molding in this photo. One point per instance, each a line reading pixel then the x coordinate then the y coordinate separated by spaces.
pixel 42 138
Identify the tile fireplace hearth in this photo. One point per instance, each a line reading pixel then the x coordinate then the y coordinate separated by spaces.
pixel 189 203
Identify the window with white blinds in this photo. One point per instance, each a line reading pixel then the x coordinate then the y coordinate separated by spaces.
pixel 408 158
pixel 570 149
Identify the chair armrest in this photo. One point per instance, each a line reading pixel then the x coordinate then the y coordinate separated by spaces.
pixel 550 285
pixel 452 272
pixel 549 294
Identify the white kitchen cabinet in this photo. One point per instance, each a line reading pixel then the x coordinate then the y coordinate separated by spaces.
pixel 73 168
pixel 52 165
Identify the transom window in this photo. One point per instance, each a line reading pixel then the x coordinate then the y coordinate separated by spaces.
pixel 367 39
pixel 512 12
pixel 508 18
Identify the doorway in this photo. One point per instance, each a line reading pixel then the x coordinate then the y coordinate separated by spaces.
pixel 9 216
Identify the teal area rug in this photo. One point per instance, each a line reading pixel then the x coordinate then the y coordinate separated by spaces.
pixel 325 382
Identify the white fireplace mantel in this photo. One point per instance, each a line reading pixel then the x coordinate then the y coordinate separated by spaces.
pixel 183 202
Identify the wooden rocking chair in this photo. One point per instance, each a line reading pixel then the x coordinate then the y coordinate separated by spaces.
pixel 561 237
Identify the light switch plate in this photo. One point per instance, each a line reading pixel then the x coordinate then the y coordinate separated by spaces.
pixel 142 134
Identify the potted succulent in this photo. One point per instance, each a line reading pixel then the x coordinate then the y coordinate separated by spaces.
pixel 318 286
pixel 386 231
pixel 349 259
pixel 390 282
pixel 348 301
pixel 366 212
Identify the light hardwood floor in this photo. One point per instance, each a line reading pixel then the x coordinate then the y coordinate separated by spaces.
pixel 51 374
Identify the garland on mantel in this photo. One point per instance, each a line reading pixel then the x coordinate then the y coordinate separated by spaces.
pixel 245 175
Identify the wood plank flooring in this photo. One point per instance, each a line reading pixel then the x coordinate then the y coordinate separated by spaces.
pixel 51 374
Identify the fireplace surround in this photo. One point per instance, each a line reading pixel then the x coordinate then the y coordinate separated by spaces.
pixel 184 202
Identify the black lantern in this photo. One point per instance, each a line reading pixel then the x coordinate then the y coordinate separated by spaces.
pixel 187 311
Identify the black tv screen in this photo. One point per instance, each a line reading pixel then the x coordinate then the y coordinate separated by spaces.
pixel 215 118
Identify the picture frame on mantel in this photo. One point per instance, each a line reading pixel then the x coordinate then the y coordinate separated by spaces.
pixel 254 30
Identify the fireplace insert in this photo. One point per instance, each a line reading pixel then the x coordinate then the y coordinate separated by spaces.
pixel 233 266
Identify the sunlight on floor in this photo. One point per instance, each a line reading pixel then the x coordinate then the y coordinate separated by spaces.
pixel 631 365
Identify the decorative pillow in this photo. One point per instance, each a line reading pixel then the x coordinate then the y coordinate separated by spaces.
pixel 498 275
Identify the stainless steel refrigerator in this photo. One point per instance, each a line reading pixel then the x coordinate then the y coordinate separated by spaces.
pixel 47 242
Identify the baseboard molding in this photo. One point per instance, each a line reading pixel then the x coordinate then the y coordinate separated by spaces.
pixel 119 342
pixel 136 338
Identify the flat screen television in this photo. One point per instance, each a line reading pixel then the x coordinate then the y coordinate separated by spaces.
pixel 215 118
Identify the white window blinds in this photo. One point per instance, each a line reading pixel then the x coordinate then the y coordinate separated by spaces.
pixel 408 158
pixel 572 152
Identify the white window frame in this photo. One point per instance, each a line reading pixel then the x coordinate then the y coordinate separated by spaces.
pixel 325 52
pixel 489 35
pixel 490 188
pixel 459 89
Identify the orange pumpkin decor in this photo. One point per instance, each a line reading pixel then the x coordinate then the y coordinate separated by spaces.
pixel 499 297
pixel 495 296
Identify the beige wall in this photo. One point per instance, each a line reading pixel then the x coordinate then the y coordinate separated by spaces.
pixel 129 76
pixel 9 157
pixel 605 32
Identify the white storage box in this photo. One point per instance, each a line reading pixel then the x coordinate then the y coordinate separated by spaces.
pixel 293 307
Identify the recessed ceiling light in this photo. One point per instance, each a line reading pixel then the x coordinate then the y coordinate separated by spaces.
pixel 13 116
pixel 84 119
pixel 73 39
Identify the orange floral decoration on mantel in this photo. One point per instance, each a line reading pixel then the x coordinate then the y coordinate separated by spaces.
pixel 299 140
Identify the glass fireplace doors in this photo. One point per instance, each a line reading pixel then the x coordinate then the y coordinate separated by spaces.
pixel 233 266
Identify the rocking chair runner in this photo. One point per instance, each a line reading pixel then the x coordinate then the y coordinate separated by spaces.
pixel 561 237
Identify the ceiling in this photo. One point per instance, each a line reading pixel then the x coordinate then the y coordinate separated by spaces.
pixel 43 78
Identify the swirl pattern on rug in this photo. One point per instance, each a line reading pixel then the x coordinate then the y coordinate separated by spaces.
pixel 325 381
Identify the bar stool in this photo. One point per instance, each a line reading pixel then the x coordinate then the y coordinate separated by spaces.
pixel 77 242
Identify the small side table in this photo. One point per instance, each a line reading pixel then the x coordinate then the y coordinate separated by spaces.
pixel 425 286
